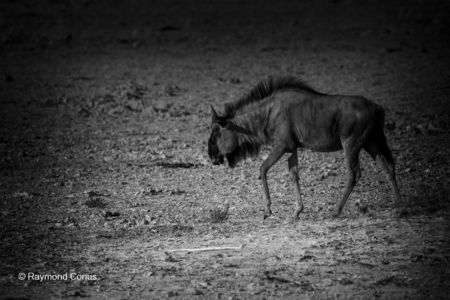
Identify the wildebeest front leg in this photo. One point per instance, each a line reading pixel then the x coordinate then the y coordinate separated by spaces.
pixel 293 172
pixel 351 152
pixel 273 157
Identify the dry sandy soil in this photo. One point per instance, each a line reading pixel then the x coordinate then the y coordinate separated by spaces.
pixel 104 118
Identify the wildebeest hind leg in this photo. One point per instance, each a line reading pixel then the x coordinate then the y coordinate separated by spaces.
pixel 293 172
pixel 380 152
pixel 273 157
pixel 351 152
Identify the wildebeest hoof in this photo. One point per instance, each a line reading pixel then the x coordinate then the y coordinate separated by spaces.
pixel 267 213
pixel 401 212
pixel 291 220
pixel 298 211
pixel 272 218
pixel 266 216
pixel 269 216
pixel 336 215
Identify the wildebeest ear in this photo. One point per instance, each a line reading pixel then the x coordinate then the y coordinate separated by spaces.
pixel 215 117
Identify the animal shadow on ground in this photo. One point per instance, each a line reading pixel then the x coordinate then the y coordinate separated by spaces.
pixel 176 165
pixel 424 199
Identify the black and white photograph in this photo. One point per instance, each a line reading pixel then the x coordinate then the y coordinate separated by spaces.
pixel 224 149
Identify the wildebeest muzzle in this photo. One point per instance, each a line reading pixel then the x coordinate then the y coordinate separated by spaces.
pixel 218 160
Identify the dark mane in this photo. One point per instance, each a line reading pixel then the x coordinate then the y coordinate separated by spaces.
pixel 266 88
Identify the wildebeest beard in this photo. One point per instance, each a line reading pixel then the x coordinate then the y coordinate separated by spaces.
pixel 247 147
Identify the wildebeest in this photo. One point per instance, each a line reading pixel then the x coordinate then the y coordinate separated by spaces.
pixel 287 114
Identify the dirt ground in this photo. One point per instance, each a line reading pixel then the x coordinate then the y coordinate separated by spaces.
pixel 104 121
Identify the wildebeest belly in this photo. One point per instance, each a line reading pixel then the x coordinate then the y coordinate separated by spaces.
pixel 320 144
pixel 316 126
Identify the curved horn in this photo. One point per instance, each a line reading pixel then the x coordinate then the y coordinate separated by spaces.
pixel 215 117
pixel 237 128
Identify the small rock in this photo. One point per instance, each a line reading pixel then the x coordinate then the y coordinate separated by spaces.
pixel 390 125
pixel 417 257
pixel 148 219
pixel 202 284
pixel 148 112
pixel 231 263
pixel 115 110
pixel 77 293
pixel 170 258
pixel 361 207
pixel 109 214
pixel 193 291
pixel 254 289
pixel 306 257
pixel 345 281
pixel 409 169
pixel 172 293
pixel 134 105
pixel 172 90
pixel 431 128
pixel 161 106
pixel 24 195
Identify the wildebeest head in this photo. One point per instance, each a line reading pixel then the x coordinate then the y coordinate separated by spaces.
pixel 223 142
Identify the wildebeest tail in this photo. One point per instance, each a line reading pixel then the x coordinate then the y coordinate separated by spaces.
pixel 381 138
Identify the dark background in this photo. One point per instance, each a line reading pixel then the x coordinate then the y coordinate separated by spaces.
pixel 104 117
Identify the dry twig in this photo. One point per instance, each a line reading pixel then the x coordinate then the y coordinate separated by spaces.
pixel 205 249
